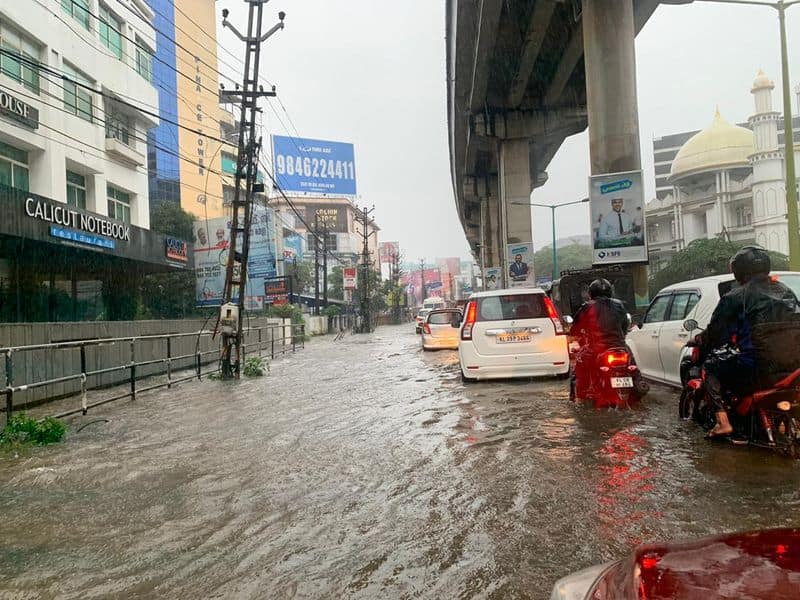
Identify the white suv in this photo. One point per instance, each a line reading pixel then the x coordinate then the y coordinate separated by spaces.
pixel 512 333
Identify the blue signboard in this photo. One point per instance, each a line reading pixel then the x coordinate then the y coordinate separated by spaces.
pixel 314 166
pixel 81 237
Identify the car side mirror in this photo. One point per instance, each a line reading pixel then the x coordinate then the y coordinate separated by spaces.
pixel 690 325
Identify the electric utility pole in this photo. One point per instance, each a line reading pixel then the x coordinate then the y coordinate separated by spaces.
pixel 363 219
pixel 316 265
pixel 245 184
pixel 325 266
pixel 422 278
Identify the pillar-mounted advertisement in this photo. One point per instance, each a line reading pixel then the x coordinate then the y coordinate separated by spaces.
pixel 520 265
pixel 618 224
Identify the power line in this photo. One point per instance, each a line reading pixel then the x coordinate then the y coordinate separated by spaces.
pixel 49 70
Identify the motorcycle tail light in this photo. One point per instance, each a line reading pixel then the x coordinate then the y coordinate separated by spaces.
pixel 469 321
pixel 616 359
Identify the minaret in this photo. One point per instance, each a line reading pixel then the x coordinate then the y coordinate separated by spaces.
pixel 769 197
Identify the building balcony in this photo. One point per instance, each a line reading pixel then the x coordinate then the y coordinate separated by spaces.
pixel 124 153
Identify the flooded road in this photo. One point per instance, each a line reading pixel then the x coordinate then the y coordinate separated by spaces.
pixel 364 468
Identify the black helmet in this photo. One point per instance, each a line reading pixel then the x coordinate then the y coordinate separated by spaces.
pixel 749 261
pixel 600 287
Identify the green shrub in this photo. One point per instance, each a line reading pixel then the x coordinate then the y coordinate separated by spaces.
pixel 333 311
pixel 24 429
pixel 255 367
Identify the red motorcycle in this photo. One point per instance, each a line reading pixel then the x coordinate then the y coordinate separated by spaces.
pixel 769 418
pixel 609 379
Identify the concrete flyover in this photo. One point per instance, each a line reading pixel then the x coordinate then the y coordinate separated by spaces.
pixel 517 87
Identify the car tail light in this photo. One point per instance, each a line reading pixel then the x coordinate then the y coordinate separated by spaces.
pixel 616 359
pixel 426 328
pixel 469 321
pixel 553 314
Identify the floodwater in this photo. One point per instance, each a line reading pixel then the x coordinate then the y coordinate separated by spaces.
pixel 364 468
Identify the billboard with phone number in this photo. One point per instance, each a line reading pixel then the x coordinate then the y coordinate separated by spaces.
pixel 314 166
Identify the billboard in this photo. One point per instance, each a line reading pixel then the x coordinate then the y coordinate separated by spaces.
pixel 618 227
pixel 349 276
pixel 314 166
pixel 211 257
pixel 387 250
pixel 492 278
pixel 520 265
pixel 277 290
pixel 413 285
pixel 293 246
pixel 332 217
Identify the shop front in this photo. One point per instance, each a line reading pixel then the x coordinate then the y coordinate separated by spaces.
pixel 59 262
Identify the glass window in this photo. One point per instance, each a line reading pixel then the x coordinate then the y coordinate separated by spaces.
pixel 443 318
pixel 118 126
pixel 682 303
pixel 658 309
pixel 517 306
pixel 228 193
pixel 144 60
pixel 228 163
pixel 109 28
pixel 77 99
pixel 14 167
pixel 76 190
pixel 78 10
pixel 330 242
pixel 119 204
pixel 22 66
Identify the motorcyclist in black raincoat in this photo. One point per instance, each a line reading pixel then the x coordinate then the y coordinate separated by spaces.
pixel 752 318
pixel 603 323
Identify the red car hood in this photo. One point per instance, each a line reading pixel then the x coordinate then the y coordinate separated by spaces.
pixel 759 565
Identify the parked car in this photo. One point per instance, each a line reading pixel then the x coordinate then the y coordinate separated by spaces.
pixel 512 333
pixel 760 565
pixel 658 339
pixel 440 329
pixel 420 319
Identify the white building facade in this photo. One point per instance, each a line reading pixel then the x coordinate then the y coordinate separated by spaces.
pixel 84 148
pixel 726 180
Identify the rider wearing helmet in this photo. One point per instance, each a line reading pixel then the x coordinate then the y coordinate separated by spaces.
pixel 603 322
pixel 746 318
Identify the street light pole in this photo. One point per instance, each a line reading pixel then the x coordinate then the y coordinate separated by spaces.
pixel 553 208
pixel 793 223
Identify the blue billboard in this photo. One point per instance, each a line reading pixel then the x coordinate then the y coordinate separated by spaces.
pixel 314 166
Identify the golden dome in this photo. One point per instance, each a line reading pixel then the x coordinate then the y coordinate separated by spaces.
pixel 719 146
pixel 762 82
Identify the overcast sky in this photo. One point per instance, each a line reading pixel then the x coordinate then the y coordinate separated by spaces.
pixel 372 72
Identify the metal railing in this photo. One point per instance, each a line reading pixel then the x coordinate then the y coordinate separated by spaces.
pixel 255 342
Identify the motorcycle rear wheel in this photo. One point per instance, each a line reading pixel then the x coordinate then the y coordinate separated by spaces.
pixel 684 405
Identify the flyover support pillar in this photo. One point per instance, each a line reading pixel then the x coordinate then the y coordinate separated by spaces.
pixel 515 196
pixel 491 238
pixel 608 40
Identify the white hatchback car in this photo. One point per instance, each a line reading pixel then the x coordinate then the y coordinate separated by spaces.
pixel 512 333
pixel 657 344
pixel 440 329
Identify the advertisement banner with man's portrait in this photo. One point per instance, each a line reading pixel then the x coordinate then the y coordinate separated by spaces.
pixel 520 265
pixel 492 278
pixel 618 223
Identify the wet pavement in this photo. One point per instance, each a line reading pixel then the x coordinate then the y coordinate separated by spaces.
pixel 364 468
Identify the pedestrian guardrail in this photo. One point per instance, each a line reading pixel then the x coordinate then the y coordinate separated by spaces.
pixel 261 341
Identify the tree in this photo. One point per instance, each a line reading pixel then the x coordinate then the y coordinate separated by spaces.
pixel 170 295
pixel 302 274
pixel 573 256
pixel 702 258
pixel 336 283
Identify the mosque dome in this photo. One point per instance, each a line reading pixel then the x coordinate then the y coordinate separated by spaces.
pixel 719 146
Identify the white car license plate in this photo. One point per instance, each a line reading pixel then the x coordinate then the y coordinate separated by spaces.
pixel 621 382
pixel 513 338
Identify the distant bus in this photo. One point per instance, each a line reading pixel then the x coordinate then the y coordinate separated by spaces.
pixel 433 303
